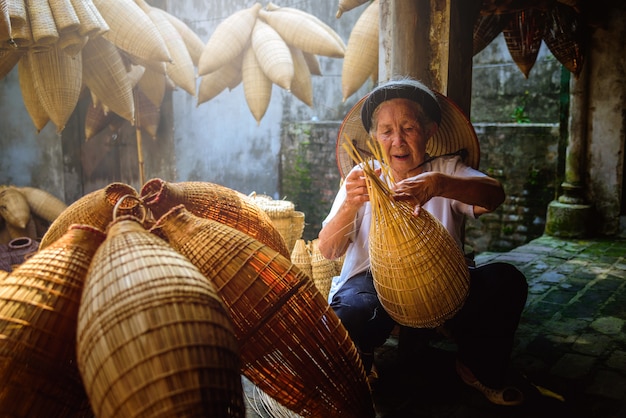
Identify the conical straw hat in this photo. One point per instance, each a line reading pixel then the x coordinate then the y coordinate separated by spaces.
pixel 287 332
pixel 153 337
pixel 94 209
pixel 37 113
pixel 455 133
pixel 361 57
pixel 216 202
pixel 58 82
pixel 65 17
pixel 228 40
pixel 105 75
pixel 39 304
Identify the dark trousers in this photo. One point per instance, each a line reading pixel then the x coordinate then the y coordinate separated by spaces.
pixel 483 329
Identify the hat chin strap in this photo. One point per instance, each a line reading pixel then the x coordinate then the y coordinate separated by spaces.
pixel 462 152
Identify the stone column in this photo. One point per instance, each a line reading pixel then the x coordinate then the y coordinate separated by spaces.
pixel 568 216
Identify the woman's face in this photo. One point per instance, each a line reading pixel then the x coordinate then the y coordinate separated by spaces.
pixel 401 136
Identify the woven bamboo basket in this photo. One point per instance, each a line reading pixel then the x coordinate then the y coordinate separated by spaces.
pixel 132 30
pixel 3 274
pixel 322 269
pixel 486 28
pixel 273 54
pixel 43 204
pixel 293 346
pixel 303 33
pixel 105 74
pixel 280 213
pixel 42 22
pixel 297 228
pixel 8 59
pixel 216 202
pixel 181 69
pixel 361 57
pixel 565 37
pixel 419 271
pixel 214 83
pixel 271 6
pixel 257 87
pixel 347 5
pixel 65 17
pixel 14 207
pixel 39 304
pixel 92 23
pixel 152 85
pixel 58 82
pixel 192 41
pixel 301 85
pixel 5 21
pixel 147 115
pixel 523 35
pixel 228 40
pixel 35 110
pixel 20 249
pixel 301 257
pixel 94 209
pixel 153 336
pixel 19 25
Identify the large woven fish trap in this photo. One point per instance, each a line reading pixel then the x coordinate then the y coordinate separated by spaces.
pixel 94 209
pixel 293 346
pixel 215 202
pixel 419 271
pixel 153 337
pixel 39 304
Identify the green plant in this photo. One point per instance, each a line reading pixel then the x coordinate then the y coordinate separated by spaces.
pixel 519 113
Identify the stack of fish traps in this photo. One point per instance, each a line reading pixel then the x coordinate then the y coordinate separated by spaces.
pixel 308 258
pixel 158 301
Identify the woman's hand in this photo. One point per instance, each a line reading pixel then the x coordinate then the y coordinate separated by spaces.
pixel 419 189
pixel 356 188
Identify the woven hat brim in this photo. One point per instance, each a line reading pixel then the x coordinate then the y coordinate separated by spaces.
pixel 455 132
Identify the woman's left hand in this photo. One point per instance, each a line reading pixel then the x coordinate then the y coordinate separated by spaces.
pixel 419 189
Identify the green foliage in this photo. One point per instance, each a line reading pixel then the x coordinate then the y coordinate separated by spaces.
pixel 519 113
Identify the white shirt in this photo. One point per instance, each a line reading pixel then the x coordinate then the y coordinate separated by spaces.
pixel 449 212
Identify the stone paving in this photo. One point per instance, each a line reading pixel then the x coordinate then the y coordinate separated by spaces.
pixel 570 343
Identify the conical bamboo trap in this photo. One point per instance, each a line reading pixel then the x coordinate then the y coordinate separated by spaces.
pixel 292 344
pixel 39 304
pixel 94 209
pixel 216 202
pixel 420 273
pixel 153 337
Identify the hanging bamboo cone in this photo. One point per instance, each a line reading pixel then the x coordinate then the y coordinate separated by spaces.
pixel 39 304
pixel 5 22
pixel 152 84
pixel 194 44
pixel 523 35
pixel 105 75
pixel 565 37
pixel 72 42
pixel 35 110
pixel 347 5
pixel 94 209
pixel 21 33
pixel 219 203
pixel 272 54
pixel 293 346
pixel 8 59
pixel 132 30
pixel 147 114
pixel 96 119
pixel 91 21
pixel 214 83
pixel 301 85
pixel 65 17
pixel 58 81
pixel 153 336
pixel 304 33
pixel 361 58
pixel 42 22
pixel 257 87
pixel 228 40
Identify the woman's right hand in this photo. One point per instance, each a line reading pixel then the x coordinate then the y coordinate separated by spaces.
pixel 356 188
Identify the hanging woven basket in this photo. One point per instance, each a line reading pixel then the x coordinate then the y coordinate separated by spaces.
pixel 293 346
pixel 153 337
pixel 257 86
pixel 39 304
pixel 216 202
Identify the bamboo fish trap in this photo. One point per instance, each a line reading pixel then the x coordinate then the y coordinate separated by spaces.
pixel 292 344
pixel 39 304
pixel 216 202
pixel 153 337
pixel 419 271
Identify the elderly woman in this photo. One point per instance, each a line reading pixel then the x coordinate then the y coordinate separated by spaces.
pixel 402 116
